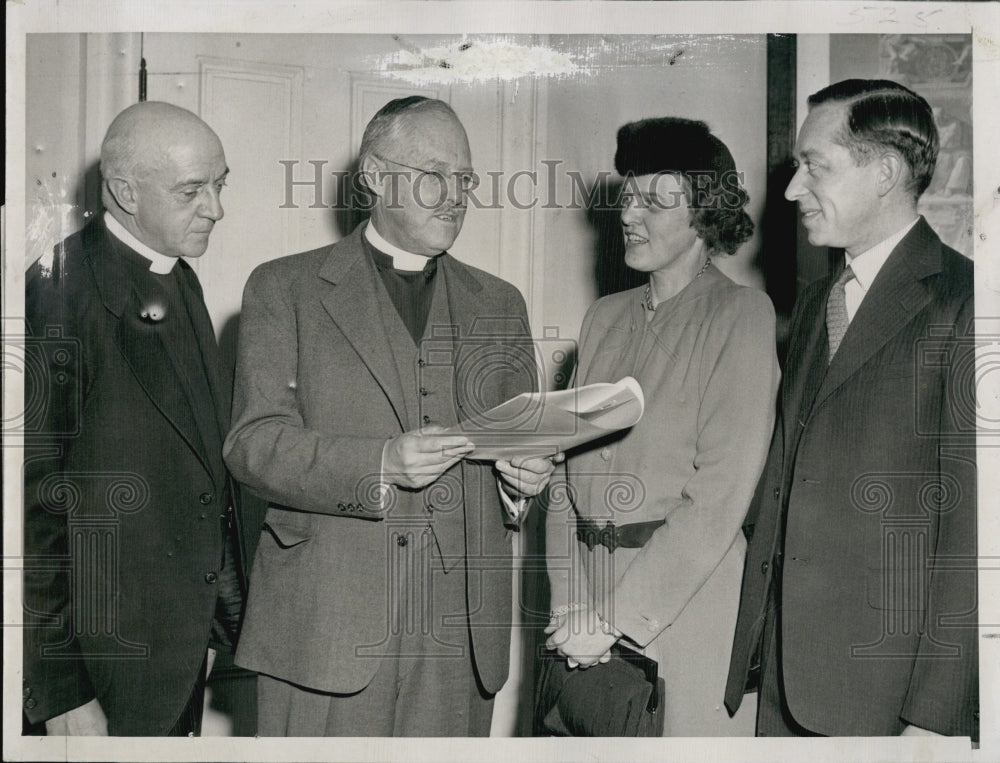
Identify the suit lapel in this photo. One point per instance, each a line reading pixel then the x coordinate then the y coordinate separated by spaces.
pixel 404 356
pixel 208 349
pixel 152 360
pixel 155 366
pixel 893 300
pixel 352 299
pixel 465 295
pixel 464 303
pixel 211 411
pixel 806 367
pixel 474 320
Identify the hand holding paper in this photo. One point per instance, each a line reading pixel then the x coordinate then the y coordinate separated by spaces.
pixel 416 459
pixel 527 476
pixel 542 424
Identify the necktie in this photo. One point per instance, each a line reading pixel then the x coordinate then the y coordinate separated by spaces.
pixel 836 312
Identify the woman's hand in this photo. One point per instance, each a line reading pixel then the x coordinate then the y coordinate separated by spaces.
pixel 577 636
pixel 526 477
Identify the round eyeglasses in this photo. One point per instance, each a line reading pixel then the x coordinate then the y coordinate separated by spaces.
pixel 466 179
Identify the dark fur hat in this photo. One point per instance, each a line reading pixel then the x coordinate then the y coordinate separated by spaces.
pixel 671 144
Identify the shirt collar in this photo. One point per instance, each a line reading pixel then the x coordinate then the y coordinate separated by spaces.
pixel 867 264
pixel 401 259
pixel 158 263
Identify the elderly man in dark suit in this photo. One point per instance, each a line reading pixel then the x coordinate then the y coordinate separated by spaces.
pixel 130 565
pixel 859 592
pixel 381 596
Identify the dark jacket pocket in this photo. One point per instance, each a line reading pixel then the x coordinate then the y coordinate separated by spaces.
pixel 889 589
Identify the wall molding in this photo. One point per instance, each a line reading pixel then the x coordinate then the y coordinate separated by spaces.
pixel 213 71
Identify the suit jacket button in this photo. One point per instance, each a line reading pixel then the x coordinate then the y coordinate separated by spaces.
pixel 777 493
pixel 27 692
pixel 764 566
pixel 205 498
pixel 427 419
pixel 401 540
pixel 606 454
pixel 30 704
pixel 211 577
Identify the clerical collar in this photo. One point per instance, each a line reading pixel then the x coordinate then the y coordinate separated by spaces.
pixel 160 264
pixel 401 259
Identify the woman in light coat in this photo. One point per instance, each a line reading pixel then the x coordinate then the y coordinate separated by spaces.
pixel 664 578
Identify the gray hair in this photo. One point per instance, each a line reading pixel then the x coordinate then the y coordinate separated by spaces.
pixel 391 124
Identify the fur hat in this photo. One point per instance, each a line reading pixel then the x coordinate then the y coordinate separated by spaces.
pixel 671 144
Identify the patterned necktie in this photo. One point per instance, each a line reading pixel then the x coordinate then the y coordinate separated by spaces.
pixel 836 312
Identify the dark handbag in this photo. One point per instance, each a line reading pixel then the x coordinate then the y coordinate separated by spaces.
pixel 621 698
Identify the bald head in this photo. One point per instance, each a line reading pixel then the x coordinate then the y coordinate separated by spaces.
pixel 141 137
pixel 163 170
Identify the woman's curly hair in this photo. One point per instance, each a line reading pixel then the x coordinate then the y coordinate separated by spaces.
pixel 717 213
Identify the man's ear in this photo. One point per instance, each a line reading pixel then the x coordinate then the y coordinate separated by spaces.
pixel 892 172
pixel 372 175
pixel 124 194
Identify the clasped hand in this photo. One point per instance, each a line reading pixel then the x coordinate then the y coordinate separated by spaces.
pixel 578 637
pixel 527 476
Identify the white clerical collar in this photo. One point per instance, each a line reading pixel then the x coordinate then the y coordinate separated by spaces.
pixel 401 259
pixel 158 263
pixel 867 264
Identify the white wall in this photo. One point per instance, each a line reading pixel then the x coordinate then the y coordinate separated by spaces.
pixel 75 84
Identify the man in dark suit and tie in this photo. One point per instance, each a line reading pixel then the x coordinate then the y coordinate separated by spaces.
pixel 380 603
pixel 130 552
pixel 859 592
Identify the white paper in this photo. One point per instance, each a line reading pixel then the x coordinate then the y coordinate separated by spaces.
pixel 547 423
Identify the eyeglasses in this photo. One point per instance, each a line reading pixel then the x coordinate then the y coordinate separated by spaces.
pixel 467 181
